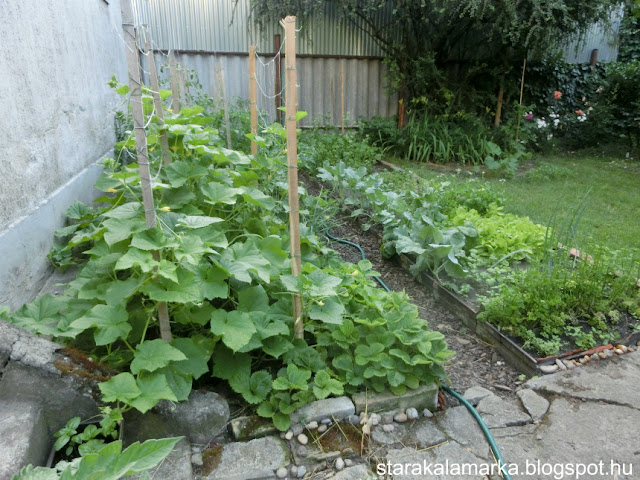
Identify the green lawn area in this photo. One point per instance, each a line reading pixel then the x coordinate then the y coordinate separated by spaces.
pixel 612 215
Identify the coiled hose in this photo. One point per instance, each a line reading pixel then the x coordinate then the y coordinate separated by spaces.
pixel 492 443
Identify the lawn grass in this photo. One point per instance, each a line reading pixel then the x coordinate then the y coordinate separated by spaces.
pixel 612 215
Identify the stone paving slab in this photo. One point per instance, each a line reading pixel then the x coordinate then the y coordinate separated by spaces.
pixel 254 460
pixel 615 380
pixel 23 437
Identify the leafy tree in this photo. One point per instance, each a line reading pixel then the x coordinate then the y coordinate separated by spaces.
pixel 436 48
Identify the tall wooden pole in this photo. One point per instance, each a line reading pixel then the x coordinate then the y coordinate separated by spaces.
pixel 253 96
pixel 289 24
pixel 222 91
pixel 157 102
pixel 342 94
pixel 277 45
pixel 133 69
pixel 175 82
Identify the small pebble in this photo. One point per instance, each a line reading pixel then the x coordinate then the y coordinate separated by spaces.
pixel 282 472
pixel 339 464
pixel 387 418
pixel 584 360
pixel 288 435
pixel 388 428
pixel 569 364
pixel 560 365
pixel 312 425
pixel 602 355
pixel 322 428
pixel 631 349
pixel 538 437
pixel 366 429
pixel 353 419
pixel 348 462
pixel 302 471
pixel 504 388
pixel 594 357
pixel 302 439
pixel 362 414
pixel 426 413
pixel 197 460
pixel 412 414
pixel 548 368
pixel 400 417
pixel 618 351
pixel 294 470
pixel 283 435
pixel 577 363
pixel 375 419
pixel 622 347
pixel 325 421
pixel 302 451
pixel 297 430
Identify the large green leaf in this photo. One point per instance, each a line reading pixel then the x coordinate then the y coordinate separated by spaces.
pixel 153 354
pixel 118 230
pixel 242 258
pixel 163 290
pixel 254 388
pixel 121 388
pixel 197 350
pixel 41 315
pixel 323 284
pixel 218 193
pixel 327 311
pixel 235 328
pixel 135 257
pixel 198 221
pixel 128 210
pixel 154 387
pixel 110 321
pixel 153 239
pixel 324 385
pixel 227 364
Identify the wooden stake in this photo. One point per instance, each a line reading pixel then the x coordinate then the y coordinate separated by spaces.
pixel 342 93
pixel 289 24
pixel 278 78
pixel 157 101
pixel 253 96
pixel 496 120
pixel 225 101
pixel 133 68
pixel 524 67
pixel 175 82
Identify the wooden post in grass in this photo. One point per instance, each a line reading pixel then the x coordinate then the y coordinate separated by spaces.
pixel 222 91
pixel 289 24
pixel 133 69
pixel 342 93
pixel 253 96
pixel 175 82
pixel 157 101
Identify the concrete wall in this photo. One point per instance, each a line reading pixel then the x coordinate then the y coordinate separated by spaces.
pixel 56 122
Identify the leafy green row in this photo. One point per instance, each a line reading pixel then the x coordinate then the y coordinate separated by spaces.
pixel 219 260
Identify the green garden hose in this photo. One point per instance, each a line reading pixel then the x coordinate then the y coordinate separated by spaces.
pixel 492 443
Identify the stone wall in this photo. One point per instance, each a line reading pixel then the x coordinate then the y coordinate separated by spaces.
pixel 57 122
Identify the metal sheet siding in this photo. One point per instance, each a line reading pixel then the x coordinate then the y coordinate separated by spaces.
pixel 318 85
pixel 597 37
pixel 226 26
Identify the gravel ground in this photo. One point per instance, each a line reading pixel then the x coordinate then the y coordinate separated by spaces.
pixel 475 362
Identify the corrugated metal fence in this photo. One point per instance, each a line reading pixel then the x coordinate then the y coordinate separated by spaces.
pixel 204 32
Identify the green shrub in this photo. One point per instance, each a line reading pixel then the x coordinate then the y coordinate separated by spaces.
pixel 317 147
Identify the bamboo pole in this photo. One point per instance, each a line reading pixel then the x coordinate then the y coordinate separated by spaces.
pixel 133 68
pixel 222 91
pixel 157 102
pixel 253 96
pixel 342 93
pixel 289 24
pixel 175 82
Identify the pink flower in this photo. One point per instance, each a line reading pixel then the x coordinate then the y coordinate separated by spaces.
pixel 528 116
pixel 580 112
pixel 557 95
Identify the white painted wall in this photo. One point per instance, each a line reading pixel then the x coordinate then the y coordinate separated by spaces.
pixel 56 121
